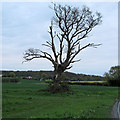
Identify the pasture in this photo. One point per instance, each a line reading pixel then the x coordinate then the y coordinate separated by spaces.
pixel 26 99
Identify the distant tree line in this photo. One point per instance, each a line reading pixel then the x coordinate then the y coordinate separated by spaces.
pixel 112 76
pixel 37 75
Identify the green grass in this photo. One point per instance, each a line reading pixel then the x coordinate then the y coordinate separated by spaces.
pixel 26 100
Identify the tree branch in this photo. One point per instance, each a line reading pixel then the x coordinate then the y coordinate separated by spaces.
pixel 53 46
pixel 31 54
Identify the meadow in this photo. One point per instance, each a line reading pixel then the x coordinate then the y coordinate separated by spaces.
pixel 27 99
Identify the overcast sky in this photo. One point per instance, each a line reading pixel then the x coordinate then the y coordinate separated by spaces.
pixel 25 25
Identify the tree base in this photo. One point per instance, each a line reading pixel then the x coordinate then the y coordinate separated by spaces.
pixel 57 89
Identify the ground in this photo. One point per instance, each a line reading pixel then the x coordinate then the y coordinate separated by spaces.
pixel 26 99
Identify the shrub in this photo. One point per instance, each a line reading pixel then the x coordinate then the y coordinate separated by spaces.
pixel 10 79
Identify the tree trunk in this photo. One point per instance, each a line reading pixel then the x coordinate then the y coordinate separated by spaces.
pixel 57 85
pixel 56 80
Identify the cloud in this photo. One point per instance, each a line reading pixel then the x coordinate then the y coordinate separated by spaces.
pixel 25 25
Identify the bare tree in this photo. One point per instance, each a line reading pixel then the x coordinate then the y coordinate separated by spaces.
pixel 69 26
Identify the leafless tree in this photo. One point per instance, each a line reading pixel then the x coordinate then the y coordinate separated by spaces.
pixel 69 26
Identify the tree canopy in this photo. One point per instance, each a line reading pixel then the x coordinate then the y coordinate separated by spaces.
pixel 69 27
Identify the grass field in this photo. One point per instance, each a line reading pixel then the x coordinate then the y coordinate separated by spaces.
pixel 26 100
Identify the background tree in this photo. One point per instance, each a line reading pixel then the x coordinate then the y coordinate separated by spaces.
pixel 12 74
pixel 69 27
pixel 113 76
pixel 43 75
